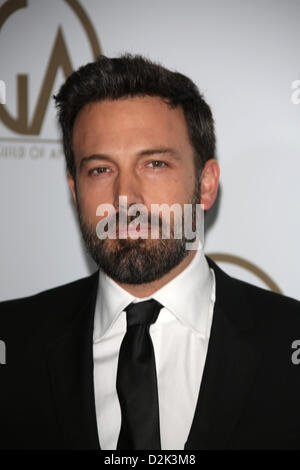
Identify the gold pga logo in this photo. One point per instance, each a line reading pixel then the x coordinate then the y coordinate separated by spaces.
pixel 59 59
pixel 248 266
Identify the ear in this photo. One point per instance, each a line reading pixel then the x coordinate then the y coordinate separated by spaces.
pixel 72 184
pixel 209 183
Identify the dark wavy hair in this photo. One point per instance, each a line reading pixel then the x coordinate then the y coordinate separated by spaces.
pixel 129 76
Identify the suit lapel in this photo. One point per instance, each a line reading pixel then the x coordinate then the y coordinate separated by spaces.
pixel 230 367
pixel 70 364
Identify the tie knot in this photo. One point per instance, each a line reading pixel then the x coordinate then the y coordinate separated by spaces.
pixel 143 313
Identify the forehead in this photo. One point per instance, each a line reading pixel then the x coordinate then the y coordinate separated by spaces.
pixel 125 119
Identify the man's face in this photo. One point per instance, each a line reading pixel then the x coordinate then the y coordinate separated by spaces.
pixel 136 147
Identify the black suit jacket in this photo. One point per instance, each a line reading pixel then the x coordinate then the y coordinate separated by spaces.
pixel 249 396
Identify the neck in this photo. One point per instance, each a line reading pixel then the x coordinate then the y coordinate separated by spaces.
pixel 147 289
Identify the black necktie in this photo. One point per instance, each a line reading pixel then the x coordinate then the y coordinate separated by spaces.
pixel 137 381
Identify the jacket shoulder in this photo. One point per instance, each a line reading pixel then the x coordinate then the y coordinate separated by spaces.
pixel 261 302
pixel 58 304
pixel 265 296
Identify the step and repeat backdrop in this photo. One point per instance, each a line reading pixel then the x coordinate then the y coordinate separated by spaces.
pixel 245 59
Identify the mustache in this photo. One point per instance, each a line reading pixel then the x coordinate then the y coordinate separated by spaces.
pixel 129 218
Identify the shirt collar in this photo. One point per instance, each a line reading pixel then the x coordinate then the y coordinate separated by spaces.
pixel 189 297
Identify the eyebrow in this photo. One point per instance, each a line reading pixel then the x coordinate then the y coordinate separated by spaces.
pixel 142 153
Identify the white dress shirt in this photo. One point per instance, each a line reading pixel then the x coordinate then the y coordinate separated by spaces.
pixel 180 338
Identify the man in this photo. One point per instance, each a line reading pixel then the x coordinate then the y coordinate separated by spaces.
pixel 159 349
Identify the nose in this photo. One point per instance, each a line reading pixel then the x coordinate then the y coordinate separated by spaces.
pixel 128 184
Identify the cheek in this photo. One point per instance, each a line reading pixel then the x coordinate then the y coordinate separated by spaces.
pixel 176 190
pixel 169 195
pixel 88 201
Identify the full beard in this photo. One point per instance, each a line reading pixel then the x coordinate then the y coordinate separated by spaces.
pixel 137 261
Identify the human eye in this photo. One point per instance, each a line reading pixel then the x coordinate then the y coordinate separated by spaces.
pixel 157 164
pixel 99 170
